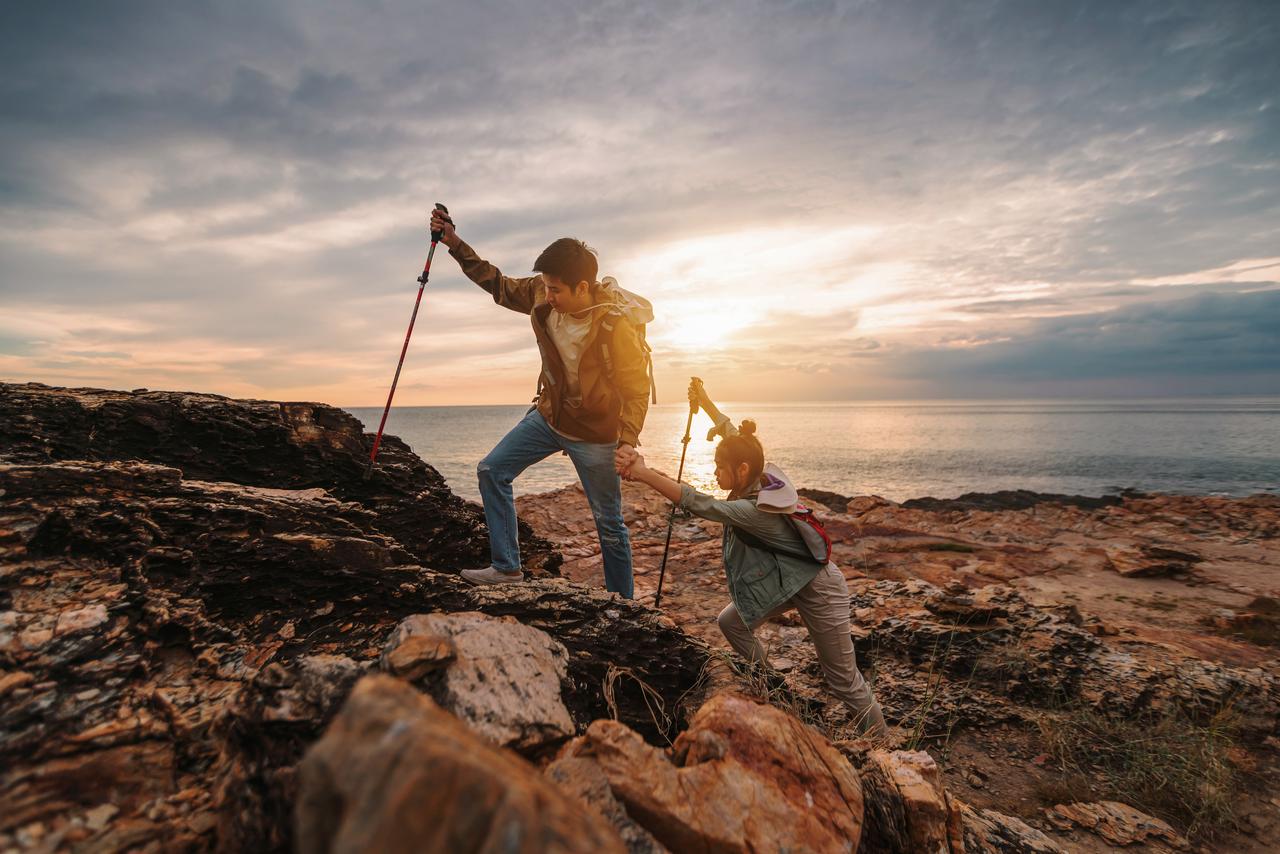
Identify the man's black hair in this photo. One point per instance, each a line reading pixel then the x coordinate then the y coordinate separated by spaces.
pixel 569 260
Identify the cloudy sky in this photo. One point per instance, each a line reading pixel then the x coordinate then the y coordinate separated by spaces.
pixel 851 200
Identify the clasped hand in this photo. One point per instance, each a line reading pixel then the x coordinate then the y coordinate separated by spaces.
pixel 624 459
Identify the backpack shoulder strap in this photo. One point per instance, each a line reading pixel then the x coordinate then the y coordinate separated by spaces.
pixel 757 543
pixel 607 325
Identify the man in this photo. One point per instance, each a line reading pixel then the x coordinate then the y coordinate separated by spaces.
pixel 593 394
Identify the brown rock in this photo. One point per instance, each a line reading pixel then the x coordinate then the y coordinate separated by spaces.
pixel 932 820
pixel 1151 561
pixel 80 620
pixel 396 773
pixel 584 780
pixel 417 655
pixel 744 777
pixel 991 832
pixel 1119 824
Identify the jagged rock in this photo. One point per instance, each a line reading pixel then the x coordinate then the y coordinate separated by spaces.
pixel 294 446
pixel 1151 561
pixel 830 500
pixel 394 772
pixel 991 832
pixel 907 809
pixel 744 777
pixel 906 806
pixel 500 677
pixel 1119 824
pixel 261 732
pixel 1040 656
pixel 584 780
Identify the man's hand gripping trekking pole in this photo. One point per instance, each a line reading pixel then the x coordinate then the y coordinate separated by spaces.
pixel 441 227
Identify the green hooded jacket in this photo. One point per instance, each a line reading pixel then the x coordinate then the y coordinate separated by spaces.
pixel 759 580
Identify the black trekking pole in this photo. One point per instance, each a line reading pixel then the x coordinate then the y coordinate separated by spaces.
pixel 671 518
pixel 422 284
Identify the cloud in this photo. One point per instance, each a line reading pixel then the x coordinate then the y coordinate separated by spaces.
pixel 256 178
pixel 1205 343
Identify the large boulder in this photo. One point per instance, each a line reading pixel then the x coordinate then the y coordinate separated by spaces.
pixel 499 676
pixel 394 772
pixel 744 777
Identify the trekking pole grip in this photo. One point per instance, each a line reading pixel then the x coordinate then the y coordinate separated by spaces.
pixel 436 235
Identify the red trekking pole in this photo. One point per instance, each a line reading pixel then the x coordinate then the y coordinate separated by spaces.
pixel 422 284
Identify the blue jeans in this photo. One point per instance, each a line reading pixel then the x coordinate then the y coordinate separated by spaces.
pixel 531 441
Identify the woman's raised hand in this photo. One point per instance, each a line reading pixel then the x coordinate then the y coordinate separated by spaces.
pixel 698 395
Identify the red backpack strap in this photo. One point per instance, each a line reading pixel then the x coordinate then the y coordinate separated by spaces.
pixel 813 532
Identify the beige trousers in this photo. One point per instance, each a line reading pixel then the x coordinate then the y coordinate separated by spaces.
pixel 824 608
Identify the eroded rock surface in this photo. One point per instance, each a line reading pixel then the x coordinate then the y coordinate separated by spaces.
pixel 502 678
pixel 979 618
pixel 744 777
pixel 1119 824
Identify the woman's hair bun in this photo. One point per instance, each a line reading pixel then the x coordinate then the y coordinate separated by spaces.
pixel 747 427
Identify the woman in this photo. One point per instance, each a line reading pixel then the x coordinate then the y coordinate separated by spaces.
pixel 768 565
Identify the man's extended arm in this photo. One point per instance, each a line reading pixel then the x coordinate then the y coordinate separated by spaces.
pixel 516 294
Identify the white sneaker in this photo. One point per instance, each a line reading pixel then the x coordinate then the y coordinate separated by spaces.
pixel 489 575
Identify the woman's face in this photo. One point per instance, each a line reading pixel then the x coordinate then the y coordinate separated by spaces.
pixel 727 478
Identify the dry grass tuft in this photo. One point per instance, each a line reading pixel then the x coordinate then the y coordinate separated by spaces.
pixel 1170 766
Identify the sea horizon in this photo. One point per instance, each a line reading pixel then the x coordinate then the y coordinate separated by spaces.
pixel 1225 445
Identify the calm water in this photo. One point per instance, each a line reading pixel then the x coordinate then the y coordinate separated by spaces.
pixel 907 450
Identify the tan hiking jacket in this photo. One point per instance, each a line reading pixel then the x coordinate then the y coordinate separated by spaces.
pixel 611 408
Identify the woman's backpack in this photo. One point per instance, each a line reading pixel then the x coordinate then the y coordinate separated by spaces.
pixel 778 495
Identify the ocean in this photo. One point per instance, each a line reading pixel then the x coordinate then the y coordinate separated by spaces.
pixel 1218 446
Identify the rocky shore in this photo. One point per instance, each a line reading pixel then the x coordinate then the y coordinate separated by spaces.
pixel 215 634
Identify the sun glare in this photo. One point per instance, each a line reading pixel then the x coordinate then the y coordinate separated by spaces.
pixel 705 324
pixel 708 287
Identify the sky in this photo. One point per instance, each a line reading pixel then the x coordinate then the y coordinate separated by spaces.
pixel 824 200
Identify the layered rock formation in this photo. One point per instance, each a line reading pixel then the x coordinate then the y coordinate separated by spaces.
pixel 171 642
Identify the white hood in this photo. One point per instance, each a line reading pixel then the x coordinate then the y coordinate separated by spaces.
pixel 777 492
